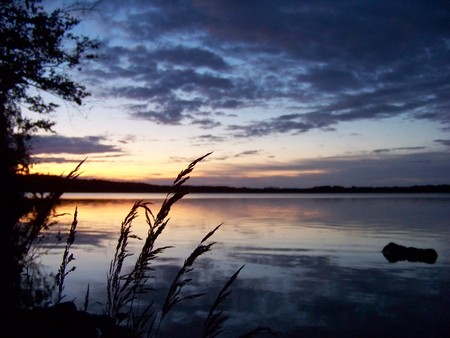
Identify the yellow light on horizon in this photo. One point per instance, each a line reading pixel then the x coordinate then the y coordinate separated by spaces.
pixel 105 170
pixel 158 171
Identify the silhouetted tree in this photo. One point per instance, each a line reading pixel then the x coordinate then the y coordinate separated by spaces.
pixel 37 48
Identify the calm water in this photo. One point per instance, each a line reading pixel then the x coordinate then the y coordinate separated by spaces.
pixel 313 263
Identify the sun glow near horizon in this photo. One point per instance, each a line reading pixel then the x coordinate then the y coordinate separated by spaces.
pixel 254 170
pixel 110 170
pixel 165 173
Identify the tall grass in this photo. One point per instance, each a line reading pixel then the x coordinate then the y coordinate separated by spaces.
pixel 174 295
pixel 38 220
pixel 125 289
pixel 66 259
pixel 216 318
pixel 32 242
pixel 128 282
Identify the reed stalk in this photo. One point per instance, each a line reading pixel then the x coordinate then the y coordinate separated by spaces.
pixel 38 220
pixel 123 289
pixel 30 241
pixel 66 259
pixel 181 280
pixel 216 317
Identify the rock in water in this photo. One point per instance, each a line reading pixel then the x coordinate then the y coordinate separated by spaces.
pixel 395 252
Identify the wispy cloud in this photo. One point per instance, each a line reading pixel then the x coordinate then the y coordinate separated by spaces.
pixel 248 153
pixel 56 159
pixel 443 142
pixel 206 123
pixel 58 144
pixel 388 150
pixel 209 138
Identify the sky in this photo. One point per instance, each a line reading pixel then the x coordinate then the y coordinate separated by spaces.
pixel 284 93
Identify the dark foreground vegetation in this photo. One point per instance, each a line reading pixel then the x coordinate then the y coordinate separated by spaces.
pixel 130 309
pixel 37 50
pixel 49 183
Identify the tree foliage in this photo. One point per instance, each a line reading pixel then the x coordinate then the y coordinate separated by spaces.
pixel 38 49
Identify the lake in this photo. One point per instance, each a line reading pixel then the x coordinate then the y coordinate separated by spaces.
pixel 313 263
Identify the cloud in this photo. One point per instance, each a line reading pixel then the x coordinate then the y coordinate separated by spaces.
pixel 206 123
pixel 318 63
pixel 443 142
pixel 55 159
pixel 282 124
pixel 387 150
pixel 209 138
pixel 128 139
pixel 57 144
pixel 190 57
pixel 168 110
pixel 326 78
pixel 248 153
pixel 362 170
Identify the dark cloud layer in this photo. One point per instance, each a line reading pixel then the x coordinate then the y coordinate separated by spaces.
pixel 57 144
pixel 369 170
pixel 387 150
pixel 443 142
pixel 338 61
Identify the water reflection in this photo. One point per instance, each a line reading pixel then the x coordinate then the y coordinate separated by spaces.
pixel 313 266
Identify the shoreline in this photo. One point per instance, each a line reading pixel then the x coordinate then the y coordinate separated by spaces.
pixel 48 183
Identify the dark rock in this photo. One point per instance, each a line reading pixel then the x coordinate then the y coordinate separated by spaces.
pixel 394 252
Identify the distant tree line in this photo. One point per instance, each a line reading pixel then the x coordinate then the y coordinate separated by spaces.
pixel 48 183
